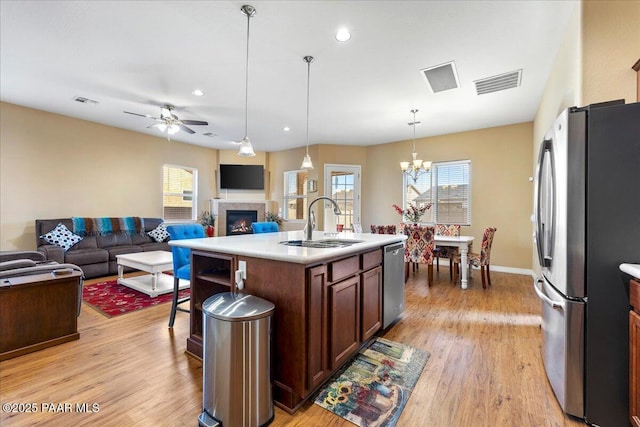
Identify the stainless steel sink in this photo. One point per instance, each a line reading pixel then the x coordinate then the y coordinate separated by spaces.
pixel 324 243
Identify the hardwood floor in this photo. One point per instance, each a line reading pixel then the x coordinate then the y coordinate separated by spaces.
pixel 485 367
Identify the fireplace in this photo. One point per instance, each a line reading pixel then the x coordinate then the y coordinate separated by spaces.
pixel 239 221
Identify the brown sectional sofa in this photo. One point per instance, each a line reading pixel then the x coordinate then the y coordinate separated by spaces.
pixel 96 254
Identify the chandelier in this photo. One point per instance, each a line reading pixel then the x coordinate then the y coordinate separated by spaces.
pixel 416 167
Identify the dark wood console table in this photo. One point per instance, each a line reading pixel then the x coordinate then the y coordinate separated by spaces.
pixel 38 311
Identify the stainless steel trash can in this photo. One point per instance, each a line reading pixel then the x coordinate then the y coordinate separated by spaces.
pixel 236 361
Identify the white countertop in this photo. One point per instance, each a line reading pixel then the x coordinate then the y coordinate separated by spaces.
pixel 267 246
pixel 632 269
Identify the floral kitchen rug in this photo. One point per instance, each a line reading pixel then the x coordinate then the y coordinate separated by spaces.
pixel 375 387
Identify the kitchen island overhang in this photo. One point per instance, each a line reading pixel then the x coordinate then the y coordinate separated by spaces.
pixel 268 246
pixel 328 300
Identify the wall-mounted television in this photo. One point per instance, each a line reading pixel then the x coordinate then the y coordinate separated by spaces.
pixel 242 177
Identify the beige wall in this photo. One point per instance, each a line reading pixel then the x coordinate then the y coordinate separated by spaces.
pixel 288 160
pixel 501 192
pixel 53 166
pixel 563 88
pixel 611 45
pixel 501 166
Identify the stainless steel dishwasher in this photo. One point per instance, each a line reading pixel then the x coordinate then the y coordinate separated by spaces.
pixel 392 283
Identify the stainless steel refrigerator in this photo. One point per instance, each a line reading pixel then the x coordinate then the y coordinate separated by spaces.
pixel 587 222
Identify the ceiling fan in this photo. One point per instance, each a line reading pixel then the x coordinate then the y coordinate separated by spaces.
pixel 169 122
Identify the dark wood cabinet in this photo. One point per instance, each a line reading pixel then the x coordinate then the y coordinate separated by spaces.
pixel 634 354
pixel 344 320
pixel 322 314
pixel 318 368
pixel 371 302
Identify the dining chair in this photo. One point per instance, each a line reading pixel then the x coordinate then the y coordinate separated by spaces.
pixel 448 252
pixel 383 229
pixel 419 248
pixel 181 262
pixel 481 259
pixel 265 227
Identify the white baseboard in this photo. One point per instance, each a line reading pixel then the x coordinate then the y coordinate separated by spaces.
pixel 512 270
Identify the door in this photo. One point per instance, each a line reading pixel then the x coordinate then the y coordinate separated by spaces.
pixel 550 204
pixel 371 302
pixel 344 320
pixel 545 204
pixel 563 346
pixel 317 368
pixel 342 184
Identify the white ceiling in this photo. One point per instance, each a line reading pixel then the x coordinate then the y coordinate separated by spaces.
pixel 138 55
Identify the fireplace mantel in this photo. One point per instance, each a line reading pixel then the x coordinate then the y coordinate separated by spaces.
pixel 219 208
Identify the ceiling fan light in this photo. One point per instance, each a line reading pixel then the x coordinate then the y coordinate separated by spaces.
pixel 307 164
pixel 246 149
pixel 173 129
pixel 162 127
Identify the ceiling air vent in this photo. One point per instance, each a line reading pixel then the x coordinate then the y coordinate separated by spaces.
pixel 441 77
pixel 500 82
pixel 83 100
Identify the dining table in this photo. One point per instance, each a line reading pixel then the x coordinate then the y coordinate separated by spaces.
pixel 462 243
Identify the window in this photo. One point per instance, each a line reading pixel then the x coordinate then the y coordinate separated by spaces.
pixel 179 193
pixel 344 182
pixel 448 187
pixel 295 194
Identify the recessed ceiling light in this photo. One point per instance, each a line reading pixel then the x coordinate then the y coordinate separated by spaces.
pixel 286 128
pixel 198 92
pixel 343 35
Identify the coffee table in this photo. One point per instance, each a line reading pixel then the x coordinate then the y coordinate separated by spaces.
pixel 153 262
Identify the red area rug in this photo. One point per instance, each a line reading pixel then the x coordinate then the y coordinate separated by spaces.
pixel 112 299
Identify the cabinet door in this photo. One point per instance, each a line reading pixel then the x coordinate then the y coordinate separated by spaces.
pixel 634 368
pixel 371 302
pixel 344 320
pixel 316 326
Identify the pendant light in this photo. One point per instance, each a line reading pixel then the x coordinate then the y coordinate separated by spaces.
pixel 416 167
pixel 246 149
pixel 306 162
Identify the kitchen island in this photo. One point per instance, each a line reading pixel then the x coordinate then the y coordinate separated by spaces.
pixel 328 299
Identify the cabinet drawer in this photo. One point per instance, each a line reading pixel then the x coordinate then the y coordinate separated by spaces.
pixel 338 270
pixel 634 295
pixel 371 259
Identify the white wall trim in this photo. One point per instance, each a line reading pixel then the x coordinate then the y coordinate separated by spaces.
pixel 512 270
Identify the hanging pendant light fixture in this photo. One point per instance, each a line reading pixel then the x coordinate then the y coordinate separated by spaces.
pixel 246 149
pixel 306 162
pixel 416 167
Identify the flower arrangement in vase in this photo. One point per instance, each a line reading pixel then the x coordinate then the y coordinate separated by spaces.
pixel 208 221
pixel 413 213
